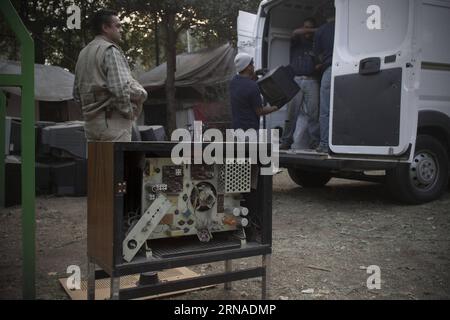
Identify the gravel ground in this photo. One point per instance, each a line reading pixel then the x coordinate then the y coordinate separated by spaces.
pixel 323 242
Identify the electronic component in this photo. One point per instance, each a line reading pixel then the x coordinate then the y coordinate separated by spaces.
pixel 172 179
pixel 238 176
pixel 204 199
pixel 145 226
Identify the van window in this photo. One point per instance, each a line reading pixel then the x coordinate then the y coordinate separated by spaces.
pixel 377 25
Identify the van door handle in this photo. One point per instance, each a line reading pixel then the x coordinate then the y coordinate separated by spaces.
pixel 370 66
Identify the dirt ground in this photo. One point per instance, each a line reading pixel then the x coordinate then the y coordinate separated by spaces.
pixel 323 240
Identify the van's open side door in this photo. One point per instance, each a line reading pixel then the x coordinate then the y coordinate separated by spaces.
pixel 374 85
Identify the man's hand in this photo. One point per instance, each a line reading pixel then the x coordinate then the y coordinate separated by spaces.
pixel 261 72
pixel 137 110
pixel 135 100
pixel 265 111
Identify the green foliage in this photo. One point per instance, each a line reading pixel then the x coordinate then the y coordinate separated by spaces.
pixel 211 22
pixel 220 17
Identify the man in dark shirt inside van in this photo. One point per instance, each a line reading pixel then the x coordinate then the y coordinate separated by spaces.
pixel 323 48
pixel 301 129
pixel 245 97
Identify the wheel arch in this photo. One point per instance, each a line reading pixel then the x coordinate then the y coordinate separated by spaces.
pixel 436 124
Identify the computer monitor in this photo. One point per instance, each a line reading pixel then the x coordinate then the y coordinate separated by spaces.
pixel 152 133
pixel 278 86
pixel 15 143
pixel 68 137
pixel 13 133
pixel 7 135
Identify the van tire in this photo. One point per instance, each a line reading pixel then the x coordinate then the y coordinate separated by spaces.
pixel 309 179
pixel 426 179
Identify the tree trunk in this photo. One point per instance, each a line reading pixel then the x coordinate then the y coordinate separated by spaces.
pixel 171 53
pixel 39 44
pixel 85 26
pixel 37 32
pixel 157 52
pixel 35 27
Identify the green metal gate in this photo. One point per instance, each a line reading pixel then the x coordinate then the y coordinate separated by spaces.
pixel 25 81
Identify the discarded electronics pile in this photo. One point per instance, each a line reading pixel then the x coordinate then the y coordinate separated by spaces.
pixel 61 158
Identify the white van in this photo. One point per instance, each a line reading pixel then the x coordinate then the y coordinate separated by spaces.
pixel 390 124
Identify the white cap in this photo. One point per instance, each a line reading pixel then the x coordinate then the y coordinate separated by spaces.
pixel 242 61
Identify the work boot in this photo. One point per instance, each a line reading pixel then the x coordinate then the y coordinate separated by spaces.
pixel 323 149
pixel 314 145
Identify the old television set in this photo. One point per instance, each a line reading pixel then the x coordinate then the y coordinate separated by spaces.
pixel 278 86
pixel 67 137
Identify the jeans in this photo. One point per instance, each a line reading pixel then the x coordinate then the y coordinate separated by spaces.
pixel 325 99
pixel 302 126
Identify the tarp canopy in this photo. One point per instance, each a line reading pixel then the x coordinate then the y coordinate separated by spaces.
pixel 202 68
pixel 51 83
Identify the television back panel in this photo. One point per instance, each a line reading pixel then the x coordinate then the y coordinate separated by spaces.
pixel 278 86
pixel 69 178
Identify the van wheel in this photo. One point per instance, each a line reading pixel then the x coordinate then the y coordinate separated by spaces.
pixel 426 179
pixel 309 179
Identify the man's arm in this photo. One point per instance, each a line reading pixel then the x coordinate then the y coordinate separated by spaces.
pixel 256 100
pixel 118 79
pixel 76 93
pixel 260 111
pixel 303 31
pixel 317 48
pixel 138 94
pixel 76 90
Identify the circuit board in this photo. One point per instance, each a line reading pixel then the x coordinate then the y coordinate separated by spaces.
pixel 188 200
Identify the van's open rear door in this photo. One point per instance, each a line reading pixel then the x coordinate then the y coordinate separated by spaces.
pixel 246 28
pixel 374 87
